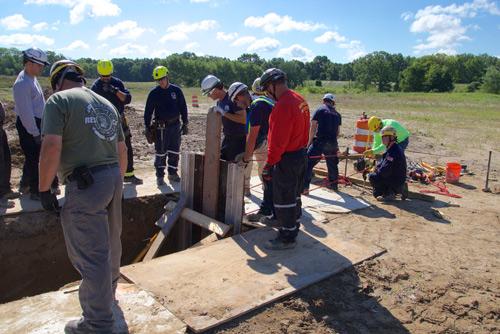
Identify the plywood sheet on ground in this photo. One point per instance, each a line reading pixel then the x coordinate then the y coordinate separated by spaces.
pixel 313 203
pixel 136 313
pixel 149 188
pixel 211 284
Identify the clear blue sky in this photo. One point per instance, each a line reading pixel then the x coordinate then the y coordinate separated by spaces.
pixel 340 30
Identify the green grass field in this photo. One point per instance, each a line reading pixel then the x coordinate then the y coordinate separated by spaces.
pixel 468 119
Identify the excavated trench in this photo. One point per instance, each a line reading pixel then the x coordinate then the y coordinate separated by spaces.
pixel 33 257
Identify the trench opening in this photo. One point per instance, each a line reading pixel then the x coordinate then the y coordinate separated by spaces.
pixel 33 258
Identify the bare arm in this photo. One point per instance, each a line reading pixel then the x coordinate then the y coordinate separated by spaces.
pixel 239 117
pixel 121 95
pixel 50 155
pixel 312 132
pixel 250 144
pixel 122 157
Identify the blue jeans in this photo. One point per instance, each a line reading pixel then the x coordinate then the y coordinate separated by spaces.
pixel 92 223
pixel 319 147
pixel 168 143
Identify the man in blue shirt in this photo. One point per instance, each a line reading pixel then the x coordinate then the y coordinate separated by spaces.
pixel 323 134
pixel 233 118
pixel 114 91
pixel 389 176
pixel 168 104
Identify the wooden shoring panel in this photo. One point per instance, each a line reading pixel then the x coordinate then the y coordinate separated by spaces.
pixel 234 200
pixel 211 164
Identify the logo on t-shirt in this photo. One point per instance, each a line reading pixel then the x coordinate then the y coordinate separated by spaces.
pixel 104 120
pixel 173 95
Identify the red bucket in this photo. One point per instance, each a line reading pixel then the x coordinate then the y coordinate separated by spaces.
pixel 453 172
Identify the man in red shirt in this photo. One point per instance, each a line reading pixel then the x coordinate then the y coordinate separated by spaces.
pixel 286 155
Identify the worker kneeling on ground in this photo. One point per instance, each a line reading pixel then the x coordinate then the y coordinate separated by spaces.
pixel 389 176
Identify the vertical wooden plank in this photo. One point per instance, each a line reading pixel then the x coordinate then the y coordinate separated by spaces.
pixel 234 199
pixel 211 165
pixel 184 239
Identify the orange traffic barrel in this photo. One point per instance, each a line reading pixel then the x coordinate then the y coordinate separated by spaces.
pixel 362 135
pixel 195 101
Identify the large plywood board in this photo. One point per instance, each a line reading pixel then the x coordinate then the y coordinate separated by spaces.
pixel 136 313
pixel 211 284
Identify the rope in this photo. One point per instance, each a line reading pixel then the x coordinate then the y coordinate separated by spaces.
pixel 442 189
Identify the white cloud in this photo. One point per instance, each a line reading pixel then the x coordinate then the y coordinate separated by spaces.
pixel 243 41
pixel 15 22
pixel 264 45
pixel 41 26
pixel 199 0
pixel 354 50
pixel 272 23
pixel 160 53
pixel 226 37
pixel 92 8
pixel 297 52
pixel 66 3
pixel 179 32
pixel 25 39
pixel 124 30
pixel 192 46
pixel 407 15
pixel 103 46
pixel 129 48
pixel 78 44
pixel 445 27
pixel 330 36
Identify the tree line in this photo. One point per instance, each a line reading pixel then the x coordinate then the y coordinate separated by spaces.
pixel 378 70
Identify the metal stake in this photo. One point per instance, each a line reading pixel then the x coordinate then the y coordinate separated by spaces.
pixel 486 189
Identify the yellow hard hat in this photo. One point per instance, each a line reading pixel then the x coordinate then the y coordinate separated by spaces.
pixel 105 67
pixel 374 122
pixel 160 72
pixel 62 68
pixel 256 87
pixel 388 130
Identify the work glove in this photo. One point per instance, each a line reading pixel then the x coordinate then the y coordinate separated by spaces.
pixel 243 163
pixel 219 109
pixel 38 139
pixel 369 154
pixel 267 172
pixel 107 87
pixel 239 157
pixel 49 202
pixel 184 129
pixel 148 132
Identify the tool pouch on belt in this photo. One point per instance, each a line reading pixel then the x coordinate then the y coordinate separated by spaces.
pixel 83 177
pixel 125 127
pixel 151 133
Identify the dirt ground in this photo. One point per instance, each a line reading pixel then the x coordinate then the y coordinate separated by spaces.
pixel 440 273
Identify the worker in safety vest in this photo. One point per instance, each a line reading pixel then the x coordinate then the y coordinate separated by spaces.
pixel 389 176
pixel 256 144
pixel 375 124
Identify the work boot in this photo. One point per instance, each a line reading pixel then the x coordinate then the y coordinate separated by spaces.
pixel 255 217
pixel 248 193
pixel 5 203
pixel 159 181
pixel 269 221
pixel 391 196
pixel 333 186
pixel 35 197
pixel 174 178
pixel 24 190
pixel 132 179
pixel 280 244
pixel 80 327
pixel 11 195
pixel 404 191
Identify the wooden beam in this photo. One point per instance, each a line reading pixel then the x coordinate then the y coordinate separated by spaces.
pixel 205 222
pixel 234 200
pixel 166 229
pixel 211 164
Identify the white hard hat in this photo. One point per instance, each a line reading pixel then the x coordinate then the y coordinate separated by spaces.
pixel 329 97
pixel 36 55
pixel 209 83
pixel 235 89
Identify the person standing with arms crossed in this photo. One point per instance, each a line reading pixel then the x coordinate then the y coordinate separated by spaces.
pixel 323 135
pixel 115 92
pixel 234 118
pixel 286 156
pixel 168 104
pixel 29 100
pixel 84 142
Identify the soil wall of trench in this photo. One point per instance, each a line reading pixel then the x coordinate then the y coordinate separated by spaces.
pixel 33 257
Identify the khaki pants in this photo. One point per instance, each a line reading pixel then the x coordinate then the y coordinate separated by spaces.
pixel 260 155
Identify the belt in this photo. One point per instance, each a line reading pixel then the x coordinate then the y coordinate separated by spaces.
pixel 235 136
pixel 169 122
pixel 94 170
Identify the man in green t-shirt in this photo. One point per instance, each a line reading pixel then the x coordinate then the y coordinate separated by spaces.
pixel 84 142
pixel 375 124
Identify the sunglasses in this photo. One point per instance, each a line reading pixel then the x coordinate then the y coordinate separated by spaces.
pixel 106 76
